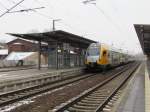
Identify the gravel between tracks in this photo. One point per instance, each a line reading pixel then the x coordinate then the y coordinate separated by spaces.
pixel 49 101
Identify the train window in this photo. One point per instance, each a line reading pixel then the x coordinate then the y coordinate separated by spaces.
pixel 97 52
pixel 108 54
pixel 93 51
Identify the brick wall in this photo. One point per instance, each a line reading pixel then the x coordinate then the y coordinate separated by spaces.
pixel 20 45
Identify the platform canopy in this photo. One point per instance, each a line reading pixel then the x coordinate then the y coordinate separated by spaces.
pixel 143 33
pixel 57 36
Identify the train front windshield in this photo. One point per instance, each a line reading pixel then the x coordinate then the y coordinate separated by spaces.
pixel 93 51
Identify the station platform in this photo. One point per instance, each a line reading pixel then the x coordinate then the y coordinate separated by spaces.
pixel 31 73
pixel 16 68
pixel 134 98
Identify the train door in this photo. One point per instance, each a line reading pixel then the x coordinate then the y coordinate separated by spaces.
pixel 104 57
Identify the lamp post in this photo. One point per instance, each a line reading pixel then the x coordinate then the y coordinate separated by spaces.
pixel 56 53
pixel 88 1
pixel 54 20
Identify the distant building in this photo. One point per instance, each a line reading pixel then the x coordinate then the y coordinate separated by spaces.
pixel 19 48
pixel 22 45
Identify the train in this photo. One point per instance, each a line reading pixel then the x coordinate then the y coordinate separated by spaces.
pixel 102 56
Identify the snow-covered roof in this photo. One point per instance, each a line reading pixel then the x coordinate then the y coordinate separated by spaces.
pixel 17 43
pixel 3 51
pixel 35 42
pixel 18 55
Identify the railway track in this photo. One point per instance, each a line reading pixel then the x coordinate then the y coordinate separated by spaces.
pixel 18 95
pixel 96 99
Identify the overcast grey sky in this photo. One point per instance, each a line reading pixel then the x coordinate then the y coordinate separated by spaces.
pixel 109 21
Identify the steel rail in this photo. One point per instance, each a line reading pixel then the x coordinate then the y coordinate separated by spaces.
pixel 100 108
pixel 79 98
pixel 21 94
pixel 17 95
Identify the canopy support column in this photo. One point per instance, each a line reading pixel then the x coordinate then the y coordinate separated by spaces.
pixel 56 55
pixel 39 55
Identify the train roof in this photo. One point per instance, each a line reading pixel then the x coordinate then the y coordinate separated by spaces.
pixel 111 48
pixel 116 50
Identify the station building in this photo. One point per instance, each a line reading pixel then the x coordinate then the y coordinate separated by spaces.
pixel 27 50
pixel 63 49
pixel 22 45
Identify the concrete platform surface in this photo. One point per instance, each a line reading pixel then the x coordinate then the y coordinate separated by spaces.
pixel 6 69
pixel 21 74
pixel 147 87
pixel 134 99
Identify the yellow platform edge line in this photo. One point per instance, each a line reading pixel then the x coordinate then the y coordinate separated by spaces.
pixel 147 90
